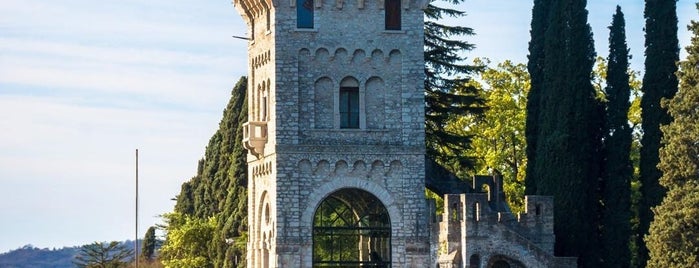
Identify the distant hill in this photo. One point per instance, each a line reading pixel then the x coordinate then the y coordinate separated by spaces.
pixel 32 257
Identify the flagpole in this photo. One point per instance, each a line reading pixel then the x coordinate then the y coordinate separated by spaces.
pixel 136 240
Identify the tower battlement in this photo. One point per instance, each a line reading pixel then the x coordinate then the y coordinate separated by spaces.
pixel 479 229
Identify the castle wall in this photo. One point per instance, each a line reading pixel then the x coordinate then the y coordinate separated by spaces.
pixel 487 236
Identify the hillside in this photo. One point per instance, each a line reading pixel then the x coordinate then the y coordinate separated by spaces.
pixel 29 256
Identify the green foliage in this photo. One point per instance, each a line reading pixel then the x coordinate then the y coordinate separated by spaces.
pixel 618 170
pixel 673 239
pixel 219 188
pixel 535 66
pixel 149 243
pixel 103 255
pixel 659 82
pixel 679 156
pixel 499 141
pixel 187 243
pixel 567 126
pixel 445 70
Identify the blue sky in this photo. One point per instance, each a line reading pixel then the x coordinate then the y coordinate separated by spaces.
pixel 85 83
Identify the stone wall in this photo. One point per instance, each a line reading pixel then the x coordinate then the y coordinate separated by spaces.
pixel 295 75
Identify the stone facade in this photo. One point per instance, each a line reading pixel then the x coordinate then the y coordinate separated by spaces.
pixel 298 152
pixel 302 152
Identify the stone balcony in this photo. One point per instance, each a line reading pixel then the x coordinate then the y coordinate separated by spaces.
pixel 255 137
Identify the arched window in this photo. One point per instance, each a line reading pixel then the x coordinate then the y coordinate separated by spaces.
pixel 392 8
pixel 304 14
pixel 351 228
pixel 349 103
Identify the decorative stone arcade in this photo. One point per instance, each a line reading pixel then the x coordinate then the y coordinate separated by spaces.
pixel 335 133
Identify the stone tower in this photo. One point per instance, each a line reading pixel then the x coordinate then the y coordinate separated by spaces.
pixel 335 133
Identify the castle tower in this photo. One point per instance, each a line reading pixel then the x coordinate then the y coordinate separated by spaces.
pixel 335 133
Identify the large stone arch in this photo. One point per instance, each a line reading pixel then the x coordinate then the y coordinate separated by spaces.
pixel 351 226
pixel 320 193
pixel 346 182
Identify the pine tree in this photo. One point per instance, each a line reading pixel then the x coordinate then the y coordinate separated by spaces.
pixel 616 181
pixel 444 72
pixel 568 130
pixel 101 254
pixel 659 81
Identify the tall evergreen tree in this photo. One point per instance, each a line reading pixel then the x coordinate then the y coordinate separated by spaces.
pixel 618 170
pixel 149 243
pixel 659 81
pixel 568 130
pixel 445 70
pixel 220 187
pixel 673 239
pixel 535 66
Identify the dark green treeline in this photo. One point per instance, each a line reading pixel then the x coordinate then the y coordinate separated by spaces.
pixel 659 81
pixel 618 170
pixel 567 119
pixel 220 187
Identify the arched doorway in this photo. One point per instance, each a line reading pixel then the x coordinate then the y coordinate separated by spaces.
pixel 351 228
pixel 501 261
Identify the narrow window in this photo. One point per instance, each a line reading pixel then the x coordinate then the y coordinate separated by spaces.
pixel 474 261
pixel 349 107
pixel 304 14
pixel 392 8
pixel 268 20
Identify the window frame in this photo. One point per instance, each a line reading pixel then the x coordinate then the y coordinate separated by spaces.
pixel 349 107
pixel 393 16
pixel 305 14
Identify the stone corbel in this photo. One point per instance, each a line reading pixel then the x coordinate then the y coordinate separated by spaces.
pixel 292 3
pixel 381 4
pixel 360 4
pixel 318 3
pixel 339 3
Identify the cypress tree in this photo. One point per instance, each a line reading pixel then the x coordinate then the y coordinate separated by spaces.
pixel 220 187
pixel 535 66
pixel 673 239
pixel 444 73
pixel 659 81
pixel 616 181
pixel 568 131
pixel 149 243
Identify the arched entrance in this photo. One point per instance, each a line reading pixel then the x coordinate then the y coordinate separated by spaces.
pixel 351 228
pixel 501 261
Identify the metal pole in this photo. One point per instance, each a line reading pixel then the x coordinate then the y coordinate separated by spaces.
pixel 136 240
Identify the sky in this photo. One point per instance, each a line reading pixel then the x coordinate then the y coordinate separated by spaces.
pixel 83 84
